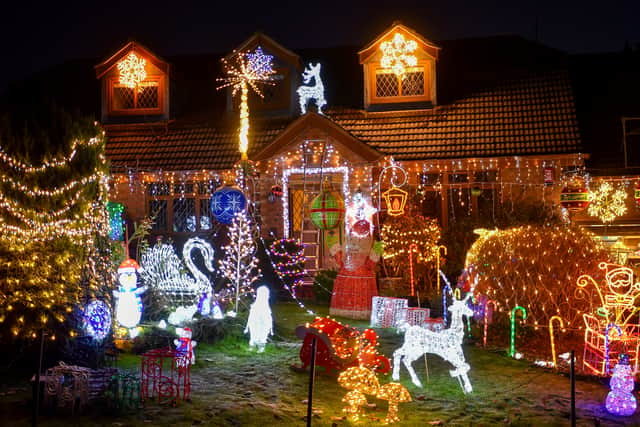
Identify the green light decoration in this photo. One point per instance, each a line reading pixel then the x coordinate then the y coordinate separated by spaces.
pixel 512 352
pixel 116 222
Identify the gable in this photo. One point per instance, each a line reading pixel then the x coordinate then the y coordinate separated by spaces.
pixel 277 98
pixel 313 126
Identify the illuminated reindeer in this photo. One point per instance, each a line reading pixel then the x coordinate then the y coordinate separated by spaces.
pixel 446 343
pixel 305 93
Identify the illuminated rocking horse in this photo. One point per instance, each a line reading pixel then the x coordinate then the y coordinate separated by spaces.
pixel 446 343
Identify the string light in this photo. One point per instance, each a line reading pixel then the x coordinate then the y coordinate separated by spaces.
pixel 250 70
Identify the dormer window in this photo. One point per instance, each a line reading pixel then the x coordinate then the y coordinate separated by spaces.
pixel 134 86
pixel 399 71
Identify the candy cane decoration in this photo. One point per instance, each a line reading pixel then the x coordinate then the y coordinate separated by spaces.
pixel 513 327
pixel 412 248
pixel 486 318
pixel 551 337
pixel 446 287
pixel 606 344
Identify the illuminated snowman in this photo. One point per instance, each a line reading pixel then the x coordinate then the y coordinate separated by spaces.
pixel 128 304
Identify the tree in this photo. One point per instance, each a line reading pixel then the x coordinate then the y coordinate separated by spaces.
pixel 239 264
pixel 54 245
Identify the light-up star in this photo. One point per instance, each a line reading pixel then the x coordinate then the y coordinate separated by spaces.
pixel 132 70
pixel 397 54
pixel 260 63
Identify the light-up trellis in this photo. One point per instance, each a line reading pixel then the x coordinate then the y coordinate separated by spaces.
pixel 250 70
pixel 286 174
pixel 397 54
pixel 607 203
pixel 615 304
pixel 132 70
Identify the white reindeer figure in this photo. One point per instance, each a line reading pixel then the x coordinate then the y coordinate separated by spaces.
pixel 446 343
pixel 305 93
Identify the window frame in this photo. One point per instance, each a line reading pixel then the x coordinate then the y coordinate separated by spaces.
pixel 374 69
pixel 169 198
pixel 114 82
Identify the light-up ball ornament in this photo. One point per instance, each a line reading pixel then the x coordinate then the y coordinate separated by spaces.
pixel 327 209
pixel 226 202
pixel 276 190
pixel 97 319
pixel 574 197
pixel 620 400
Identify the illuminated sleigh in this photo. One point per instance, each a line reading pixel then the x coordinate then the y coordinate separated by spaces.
pixel 609 329
pixel 339 347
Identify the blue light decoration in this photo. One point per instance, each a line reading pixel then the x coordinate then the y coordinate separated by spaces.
pixel 226 202
pixel 259 63
pixel 116 223
pixel 97 319
pixel 620 400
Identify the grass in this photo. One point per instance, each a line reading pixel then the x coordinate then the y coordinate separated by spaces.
pixel 234 386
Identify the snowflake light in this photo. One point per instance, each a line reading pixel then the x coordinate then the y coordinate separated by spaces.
pixel 250 70
pixel 397 54
pixel 607 203
pixel 97 319
pixel 446 343
pixel 132 70
pixel 316 92
pixel 260 322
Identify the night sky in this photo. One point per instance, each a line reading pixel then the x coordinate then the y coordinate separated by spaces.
pixel 37 36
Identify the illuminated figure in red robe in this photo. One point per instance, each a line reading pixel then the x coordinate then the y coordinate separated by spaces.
pixel 355 285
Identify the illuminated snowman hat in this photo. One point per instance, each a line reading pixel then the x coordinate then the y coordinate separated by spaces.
pixel 185 333
pixel 128 266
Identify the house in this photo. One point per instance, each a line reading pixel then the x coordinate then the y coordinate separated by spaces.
pixel 472 123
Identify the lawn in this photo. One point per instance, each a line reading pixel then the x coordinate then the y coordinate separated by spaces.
pixel 233 386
